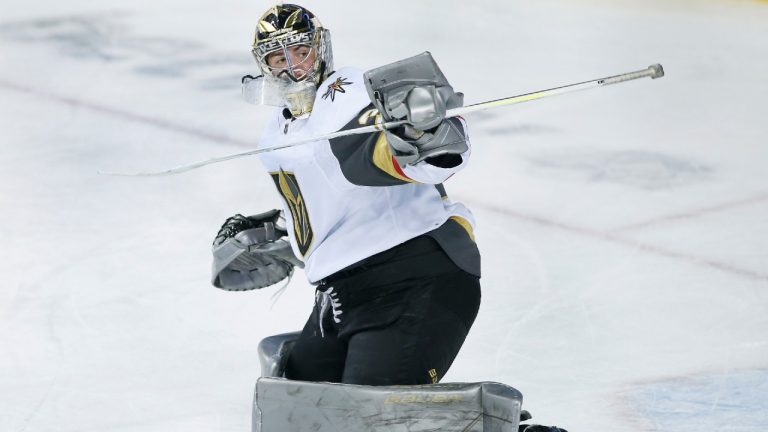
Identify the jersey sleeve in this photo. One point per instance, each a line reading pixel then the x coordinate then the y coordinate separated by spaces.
pixel 367 159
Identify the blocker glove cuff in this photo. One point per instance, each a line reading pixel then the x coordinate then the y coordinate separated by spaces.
pixel 410 146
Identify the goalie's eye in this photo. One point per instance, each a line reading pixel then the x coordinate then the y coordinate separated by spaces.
pixel 302 52
pixel 276 60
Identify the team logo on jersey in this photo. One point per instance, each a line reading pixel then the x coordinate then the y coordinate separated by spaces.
pixel 289 188
pixel 336 86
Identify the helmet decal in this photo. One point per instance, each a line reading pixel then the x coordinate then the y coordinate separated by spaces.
pixel 291 21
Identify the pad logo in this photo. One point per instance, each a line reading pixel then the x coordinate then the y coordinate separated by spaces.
pixel 336 86
pixel 422 398
pixel 289 188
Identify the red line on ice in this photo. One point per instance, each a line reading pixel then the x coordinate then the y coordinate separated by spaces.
pixel 126 115
pixel 606 236
pixel 693 213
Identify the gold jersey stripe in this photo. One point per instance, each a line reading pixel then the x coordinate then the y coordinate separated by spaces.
pixel 368 115
pixel 383 159
pixel 466 225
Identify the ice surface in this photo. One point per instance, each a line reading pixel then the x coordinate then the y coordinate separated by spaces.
pixel 735 401
pixel 623 230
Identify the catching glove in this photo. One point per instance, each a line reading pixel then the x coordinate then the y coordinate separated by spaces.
pixel 252 252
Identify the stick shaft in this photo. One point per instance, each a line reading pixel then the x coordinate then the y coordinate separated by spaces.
pixel 185 168
pixel 653 71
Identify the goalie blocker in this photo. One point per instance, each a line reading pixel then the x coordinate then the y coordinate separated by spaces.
pixel 415 91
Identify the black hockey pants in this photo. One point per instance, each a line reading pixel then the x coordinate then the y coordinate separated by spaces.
pixel 396 318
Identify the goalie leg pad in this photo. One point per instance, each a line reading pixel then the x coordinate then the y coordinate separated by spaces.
pixel 297 406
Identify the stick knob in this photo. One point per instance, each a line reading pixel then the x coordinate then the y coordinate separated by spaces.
pixel 657 70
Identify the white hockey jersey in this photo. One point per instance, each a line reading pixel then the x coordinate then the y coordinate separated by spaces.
pixel 347 199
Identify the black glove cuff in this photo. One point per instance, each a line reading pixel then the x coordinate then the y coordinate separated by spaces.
pixel 445 160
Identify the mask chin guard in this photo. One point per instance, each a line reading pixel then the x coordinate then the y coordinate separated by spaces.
pixel 298 97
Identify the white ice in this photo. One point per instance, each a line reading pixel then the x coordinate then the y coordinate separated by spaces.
pixel 624 230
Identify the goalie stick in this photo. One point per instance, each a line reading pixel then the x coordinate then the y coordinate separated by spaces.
pixel 653 71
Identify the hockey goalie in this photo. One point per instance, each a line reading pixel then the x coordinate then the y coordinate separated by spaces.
pixel 393 259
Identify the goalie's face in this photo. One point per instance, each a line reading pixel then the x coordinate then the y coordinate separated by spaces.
pixel 295 62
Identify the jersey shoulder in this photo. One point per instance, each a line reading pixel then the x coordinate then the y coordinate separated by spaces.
pixel 340 98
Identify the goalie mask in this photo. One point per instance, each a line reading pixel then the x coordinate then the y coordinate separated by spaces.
pixel 293 52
